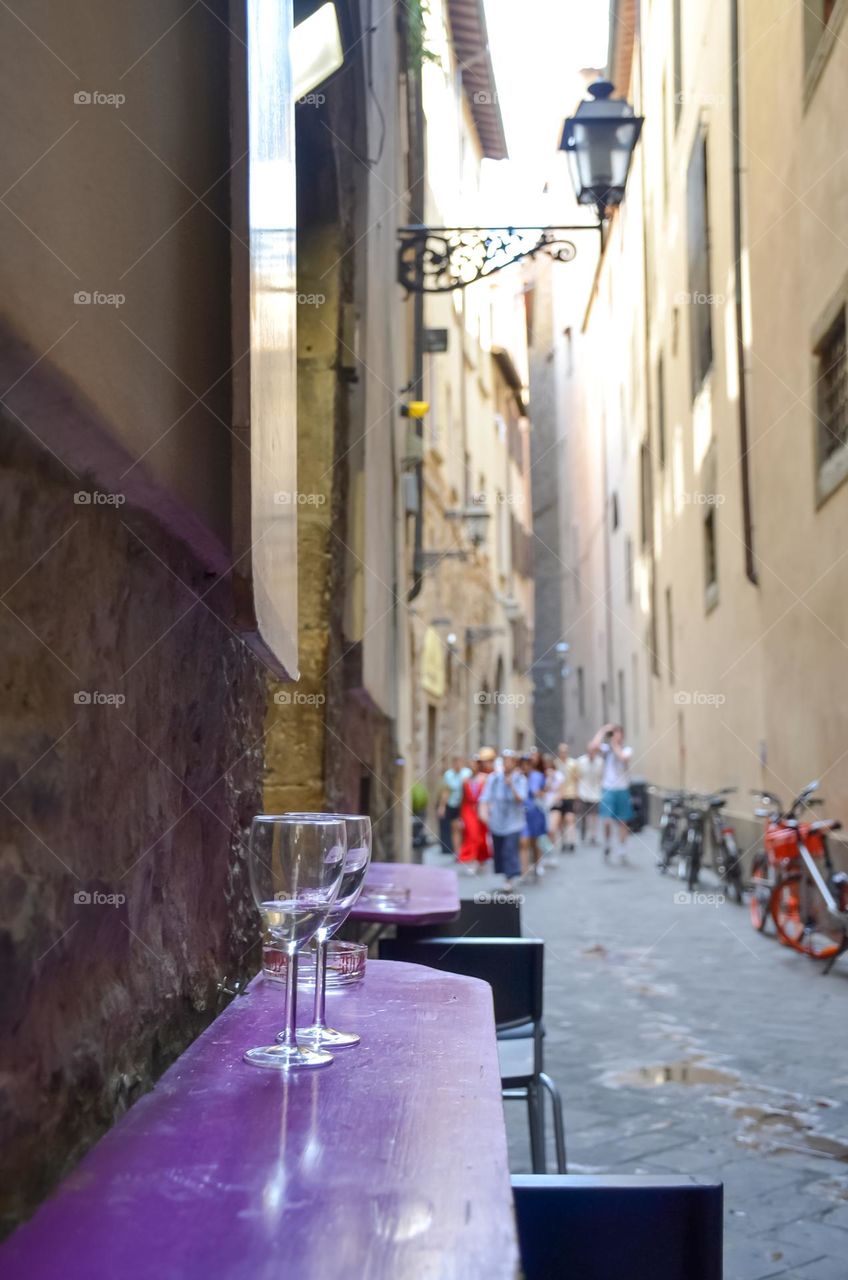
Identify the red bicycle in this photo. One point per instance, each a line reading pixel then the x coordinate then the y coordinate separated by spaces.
pixel 793 881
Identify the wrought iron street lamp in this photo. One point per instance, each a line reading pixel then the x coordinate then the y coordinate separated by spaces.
pixel 598 139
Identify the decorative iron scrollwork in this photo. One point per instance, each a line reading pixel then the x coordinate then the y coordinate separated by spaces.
pixel 439 259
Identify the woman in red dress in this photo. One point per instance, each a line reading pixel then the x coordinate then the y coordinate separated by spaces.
pixel 474 850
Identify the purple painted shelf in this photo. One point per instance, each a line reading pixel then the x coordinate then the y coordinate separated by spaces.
pixel 433 894
pixel 391 1163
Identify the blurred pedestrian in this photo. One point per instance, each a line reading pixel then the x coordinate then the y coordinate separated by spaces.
pixel 615 807
pixel 502 808
pixel 591 765
pixel 474 849
pixel 450 801
pixel 535 814
pixel 563 809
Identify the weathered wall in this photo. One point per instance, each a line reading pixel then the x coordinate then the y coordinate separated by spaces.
pixel 148 800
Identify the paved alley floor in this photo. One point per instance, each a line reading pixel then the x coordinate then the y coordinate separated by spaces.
pixel 647 992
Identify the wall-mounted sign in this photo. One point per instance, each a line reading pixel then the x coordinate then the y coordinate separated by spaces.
pixel 435 340
pixel 433 664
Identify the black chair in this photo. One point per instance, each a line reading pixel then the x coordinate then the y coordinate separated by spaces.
pixel 513 967
pixel 498 919
pixel 596 1227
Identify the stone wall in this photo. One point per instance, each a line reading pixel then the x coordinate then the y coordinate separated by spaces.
pixel 140 801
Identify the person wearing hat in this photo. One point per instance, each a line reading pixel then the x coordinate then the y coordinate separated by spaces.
pixel 502 809
pixel 474 850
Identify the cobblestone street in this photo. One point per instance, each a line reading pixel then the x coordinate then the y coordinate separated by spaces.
pixel 644 995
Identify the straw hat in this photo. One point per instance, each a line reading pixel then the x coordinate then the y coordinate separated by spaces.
pixel 487 754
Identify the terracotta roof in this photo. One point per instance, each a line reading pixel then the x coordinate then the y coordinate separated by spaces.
pixel 471 45
pixel 623 27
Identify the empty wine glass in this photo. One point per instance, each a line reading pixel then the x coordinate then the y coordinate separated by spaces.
pixel 357 859
pixel 296 865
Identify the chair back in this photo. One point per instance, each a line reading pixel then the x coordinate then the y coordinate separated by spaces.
pixel 595 1226
pixel 498 919
pixel 513 967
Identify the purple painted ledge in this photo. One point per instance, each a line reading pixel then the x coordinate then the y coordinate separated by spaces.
pixel 391 1163
pixel 433 894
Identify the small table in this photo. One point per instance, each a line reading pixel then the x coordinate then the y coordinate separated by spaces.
pixel 390 1163
pixel 433 894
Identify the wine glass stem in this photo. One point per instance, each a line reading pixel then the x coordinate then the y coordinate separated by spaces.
pixel 320 981
pixel 291 999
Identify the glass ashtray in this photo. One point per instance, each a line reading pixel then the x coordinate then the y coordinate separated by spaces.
pixel 385 896
pixel 345 964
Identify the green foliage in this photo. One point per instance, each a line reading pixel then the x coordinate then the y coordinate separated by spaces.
pixel 417 13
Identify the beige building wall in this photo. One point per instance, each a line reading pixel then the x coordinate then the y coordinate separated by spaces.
pixel 725 681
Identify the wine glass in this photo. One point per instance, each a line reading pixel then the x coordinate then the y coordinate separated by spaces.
pixel 296 864
pixel 357 859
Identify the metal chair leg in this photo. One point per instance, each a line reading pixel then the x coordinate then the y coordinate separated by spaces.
pixel 536 1119
pixel 559 1127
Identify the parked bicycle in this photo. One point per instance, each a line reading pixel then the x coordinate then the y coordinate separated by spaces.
pixel 793 880
pixel 672 828
pixel 691 823
pixel 707 827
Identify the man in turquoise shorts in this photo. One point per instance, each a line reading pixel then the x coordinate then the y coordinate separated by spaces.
pixel 615 806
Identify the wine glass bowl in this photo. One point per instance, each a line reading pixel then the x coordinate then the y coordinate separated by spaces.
pixel 296 863
pixel 357 859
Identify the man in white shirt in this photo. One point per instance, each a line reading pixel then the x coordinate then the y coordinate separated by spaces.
pixel 615 806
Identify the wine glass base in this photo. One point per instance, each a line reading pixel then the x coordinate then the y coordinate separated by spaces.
pixel 280 1057
pixel 319 1038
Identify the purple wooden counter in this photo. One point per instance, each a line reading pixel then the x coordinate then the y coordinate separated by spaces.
pixel 391 1163
pixel 433 894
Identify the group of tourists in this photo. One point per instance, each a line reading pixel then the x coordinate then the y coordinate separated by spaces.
pixel 523 808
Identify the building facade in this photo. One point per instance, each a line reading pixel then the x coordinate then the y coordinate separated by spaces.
pixel 712 380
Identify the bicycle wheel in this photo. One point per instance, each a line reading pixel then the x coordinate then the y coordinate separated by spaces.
pixel 667 842
pixel 802 919
pixel 728 867
pixel 694 846
pixel 759 903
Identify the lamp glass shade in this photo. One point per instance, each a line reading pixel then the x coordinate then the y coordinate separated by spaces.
pixel 315 48
pixel 599 140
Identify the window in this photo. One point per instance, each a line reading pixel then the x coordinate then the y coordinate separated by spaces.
pixel 614 511
pixel 575 561
pixel 581 692
pixel 669 626
pixel 710 559
pixel 646 494
pixel 822 19
pixel 664 109
pixel 698 241
pixel 830 376
pixel 628 569
pixel 604 703
pixel 661 410
pixel 622 710
pixel 634 662
pixel 677 42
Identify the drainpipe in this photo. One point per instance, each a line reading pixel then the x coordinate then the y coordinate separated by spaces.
pixel 747 518
pixel 415 110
